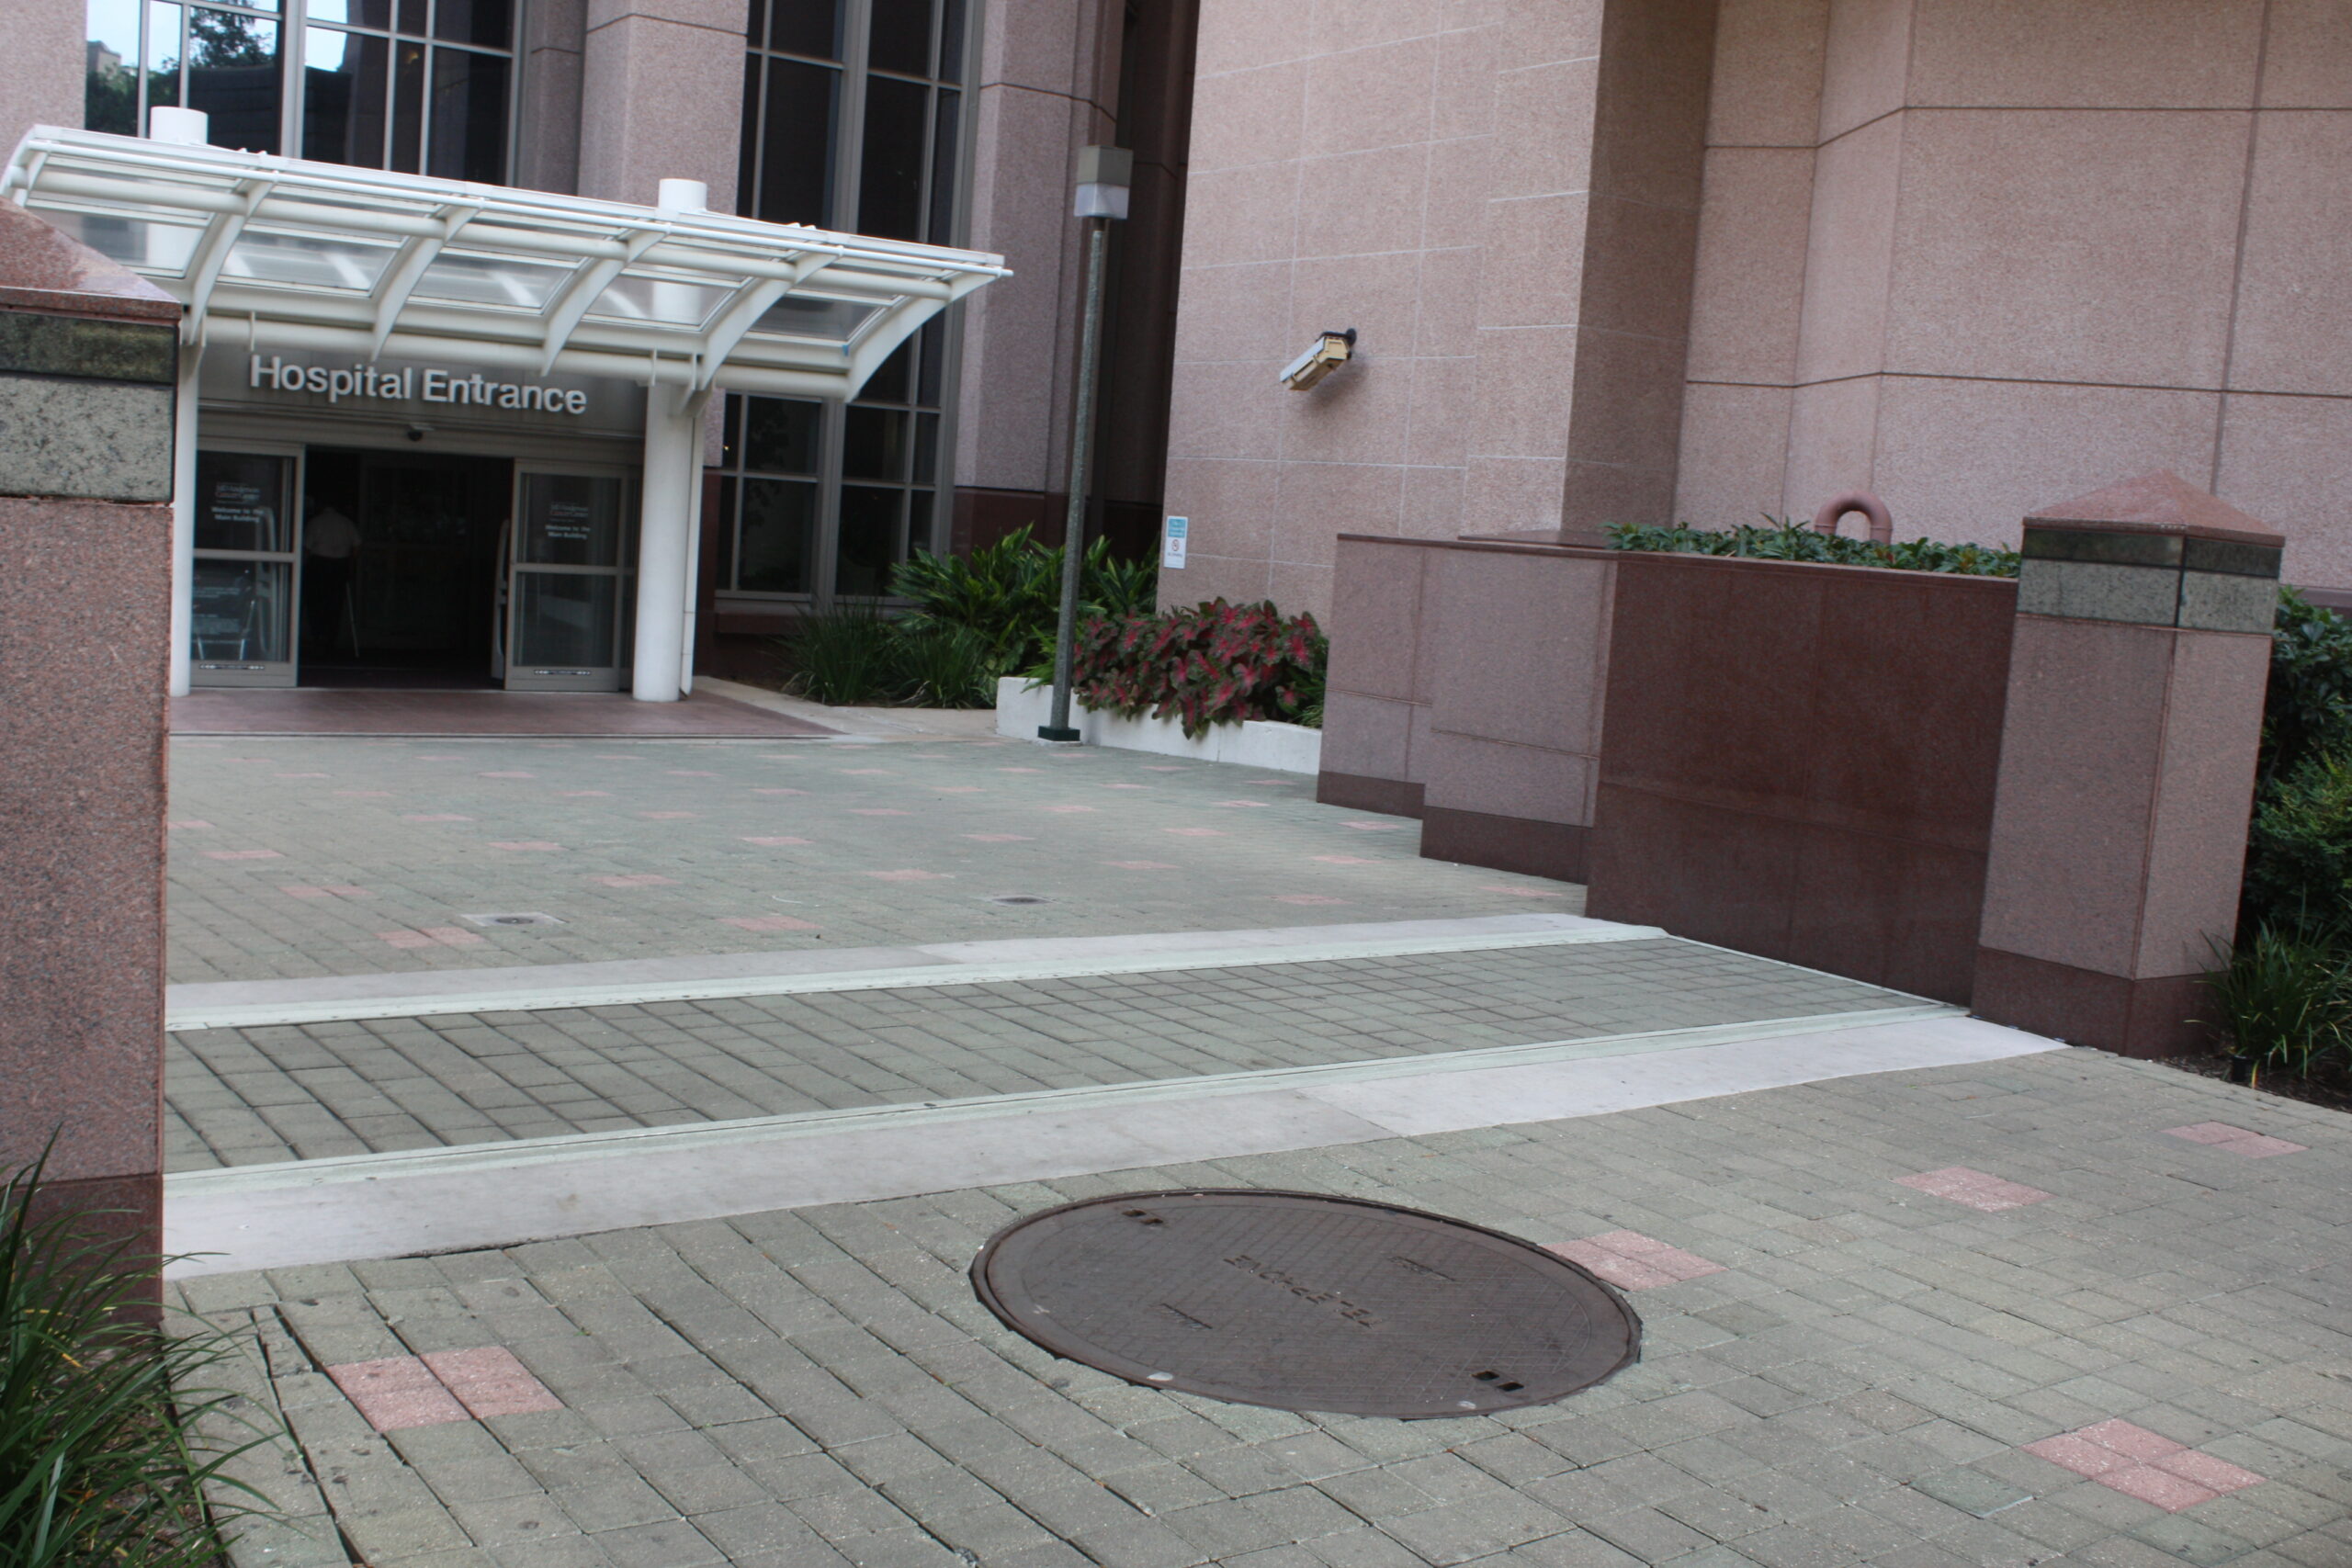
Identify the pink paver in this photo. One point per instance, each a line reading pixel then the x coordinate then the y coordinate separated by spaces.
pixel 2143 1464
pixel 2075 1454
pixel 1000 837
pixel 961 789
pixel 523 844
pixel 636 879
pixel 188 824
pixel 1632 1262
pixel 1021 770
pixel 1258 803
pixel 1307 898
pixel 397 1392
pixel 876 811
pixel 1525 892
pixel 766 924
pixel 306 893
pixel 1195 832
pixel 2220 1475
pixel 1375 827
pixel 1345 860
pixel 2235 1140
pixel 773 839
pixel 489 1381
pixel 1070 807
pixel 509 773
pixel 2130 1441
pixel 665 816
pixel 1974 1187
pixel 242 855
pixel 433 817
pixel 1125 787
pixel 1140 864
pixel 912 875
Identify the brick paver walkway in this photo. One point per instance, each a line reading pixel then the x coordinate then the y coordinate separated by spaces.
pixel 328 855
pixel 248 1096
pixel 2148 1366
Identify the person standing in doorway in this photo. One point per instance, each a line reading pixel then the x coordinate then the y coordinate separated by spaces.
pixel 330 553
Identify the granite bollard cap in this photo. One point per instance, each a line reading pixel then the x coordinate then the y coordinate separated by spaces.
pixel 2154 550
pixel 2161 502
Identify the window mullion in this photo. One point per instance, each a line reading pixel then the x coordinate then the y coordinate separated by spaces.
pixel 857 36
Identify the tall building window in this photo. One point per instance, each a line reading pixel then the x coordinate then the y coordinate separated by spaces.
pixel 421 86
pixel 853 120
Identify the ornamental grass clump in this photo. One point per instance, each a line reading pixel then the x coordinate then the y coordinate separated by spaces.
pixel 1215 664
pixel 98 1468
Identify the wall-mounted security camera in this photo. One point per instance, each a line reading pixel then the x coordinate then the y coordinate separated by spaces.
pixel 419 431
pixel 1330 350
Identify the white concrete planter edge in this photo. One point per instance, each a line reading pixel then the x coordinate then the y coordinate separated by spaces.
pixel 1253 743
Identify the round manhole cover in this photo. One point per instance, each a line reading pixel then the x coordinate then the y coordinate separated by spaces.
pixel 1306 1301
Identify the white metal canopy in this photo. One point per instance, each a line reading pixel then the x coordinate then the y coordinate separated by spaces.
pixel 270 252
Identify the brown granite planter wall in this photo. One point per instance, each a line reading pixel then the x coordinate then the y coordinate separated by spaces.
pixel 1799 761
pixel 87 356
pixel 2028 797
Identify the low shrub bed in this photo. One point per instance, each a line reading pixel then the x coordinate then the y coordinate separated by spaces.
pixel 2283 994
pixel 968 620
pixel 1787 540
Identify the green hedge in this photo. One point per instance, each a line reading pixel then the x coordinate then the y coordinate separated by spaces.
pixel 1786 539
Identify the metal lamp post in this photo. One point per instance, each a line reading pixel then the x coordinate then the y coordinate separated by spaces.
pixel 1103 175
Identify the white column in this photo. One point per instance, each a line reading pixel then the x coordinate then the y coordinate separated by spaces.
pixel 184 515
pixel 665 526
pixel 691 601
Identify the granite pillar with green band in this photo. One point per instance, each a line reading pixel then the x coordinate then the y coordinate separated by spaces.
pixel 88 356
pixel 2137 673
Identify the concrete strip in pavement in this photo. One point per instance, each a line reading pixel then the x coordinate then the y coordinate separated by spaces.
pixel 439 1200
pixel 247 1004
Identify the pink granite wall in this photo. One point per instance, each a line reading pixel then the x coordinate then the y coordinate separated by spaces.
pixel 85 590
pixel 662 82
pixel 1972 256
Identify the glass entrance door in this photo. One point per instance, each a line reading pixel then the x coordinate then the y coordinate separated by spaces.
pixel 563 609
pixel 242 617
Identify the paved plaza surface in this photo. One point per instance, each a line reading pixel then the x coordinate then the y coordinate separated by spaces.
pixel 339 855
pixel 2015 1305
pixel 248 1096
pixel 2060 1309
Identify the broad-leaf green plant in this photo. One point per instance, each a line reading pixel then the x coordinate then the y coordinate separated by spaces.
pixel 1008 594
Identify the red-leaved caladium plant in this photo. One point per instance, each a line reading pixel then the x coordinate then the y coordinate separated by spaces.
pixel 1215 664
